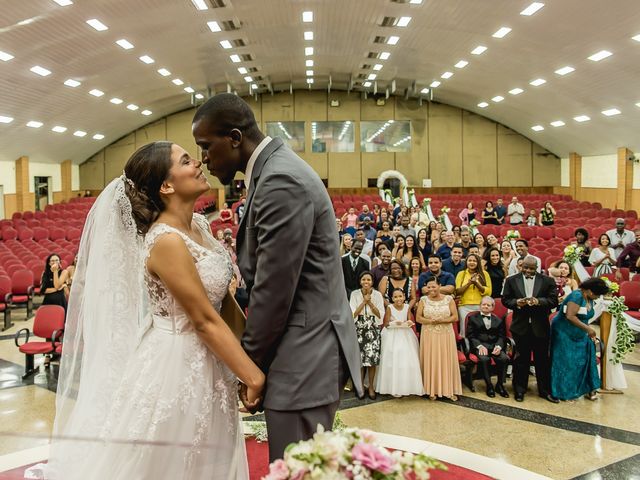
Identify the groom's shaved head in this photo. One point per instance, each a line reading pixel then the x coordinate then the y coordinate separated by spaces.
pixel 227 111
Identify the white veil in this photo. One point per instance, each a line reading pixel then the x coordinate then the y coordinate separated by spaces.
pixel 106 315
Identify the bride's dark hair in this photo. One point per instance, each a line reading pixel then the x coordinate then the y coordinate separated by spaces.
pixel 147 168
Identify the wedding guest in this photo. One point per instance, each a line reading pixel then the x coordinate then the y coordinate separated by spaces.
pixel 438 353
pixel 376 213
pixel 397 278
pixel 444 251
pixel 220 235
pixel 384 217
pixel 364 215
pixel 455 264
pixel 226 215
pixel 436 231
pixel 532 219
pixel 490 215
pixel 492 242
pixel 467 214
pixel 507 253
pixel 561 272
pixel 341 231
pixel 415 270
pixel 229 243
pixel 480 241
pixel 446 281
pixel 522 249
pixel 367 245
pixel 620 236
pixel 350 220
pixel 367 306
pixel 53 282
pixel 384 232
pixel 400 247
pixel 574 371
pixel 515 211
pixel 378 245
pixel 345 245
pixel 369 232
pixel 412 251
pixel 547 215
pixel 531 296
pixel 465 241
pixel 382 269
pixel 472 284
pixel 501 210
pixel 582 240
pixel 399 371
pixel 456 229
pixel 487 334
pixel 353 265
pixel 629 256
pixel 497 271
pixel 603 257
pixel 405 229
pixel 423 243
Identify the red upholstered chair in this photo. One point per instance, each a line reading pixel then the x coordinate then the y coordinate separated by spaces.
pixel 73 233
pixel 49 325
pixel 5 301
pixel 500 310
pixel 631 293
pixel 22 290
pixel 9 233
pixel 466 360
pixel 56 233
pixel 25 234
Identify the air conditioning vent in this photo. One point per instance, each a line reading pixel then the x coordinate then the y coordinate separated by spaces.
pixel 388 22
pixel 230 25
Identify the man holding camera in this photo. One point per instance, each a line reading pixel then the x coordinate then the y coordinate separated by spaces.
pixel 531 296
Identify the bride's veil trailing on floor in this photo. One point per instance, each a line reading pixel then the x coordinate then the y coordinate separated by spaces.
pixel 105 319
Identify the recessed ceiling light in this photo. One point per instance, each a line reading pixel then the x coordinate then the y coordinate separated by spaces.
pixel 309 80
pixel 235 58
pixel 516 91
pixel 479 50
pixel 636 38
pixel 307 17
pixel 249 79
pixel 146 113
pixel 537 82
pixel 177 81
pixel 96 93
pixel 116 101
pixel 133 107
pixel 638 104
pixel 415 2
pixel 79 133
pixel 59 129
pixel 611 112
pixel 242 70
pixel 200 4
pixel 34 124
pixel 403 21
pixel 188 89
pixel 531 9
pixel 384 55
pixel 70 82
pixel 5 57
pixel 4 119
pixel 308 51
pixel 309 73
pixel 537 128
pixel 393 39
pixel 254 86
pixel 199 96
pixel 63 3
pixel 366 84
pixel 601 55
pixel 98 136
pixel 434 84
pixel 164 72
pixel 126 44
pixel 214 27
pixel 502 32
pixel 43 72
pixel 377 67
pixel 557 123
pixel 565 70
pixel 483 104
pixel 308 35
pixel 461 64
pixel 97 24
pixel 308 63
pixel 226 44
pixel 424 91
pixel 498 98
pixel 372 76
pixel 446 75
pixel 582 118
pixel 147 59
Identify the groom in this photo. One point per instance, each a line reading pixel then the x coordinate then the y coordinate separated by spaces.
pixel 300 329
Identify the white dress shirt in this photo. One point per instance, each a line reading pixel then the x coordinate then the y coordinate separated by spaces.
pixel 626 238
pixel 528 285
pixel 252 161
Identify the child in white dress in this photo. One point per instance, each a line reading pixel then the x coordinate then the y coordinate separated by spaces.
pixel 399 370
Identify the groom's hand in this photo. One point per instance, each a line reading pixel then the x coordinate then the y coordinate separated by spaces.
pixel 252 402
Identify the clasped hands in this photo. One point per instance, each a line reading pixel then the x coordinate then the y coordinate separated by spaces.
pixel 530 301
pixel 251 398
pixel 483 351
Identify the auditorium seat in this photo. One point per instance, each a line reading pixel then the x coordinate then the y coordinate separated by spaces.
pixel 5 302
pixel 22 290
pixel 48 325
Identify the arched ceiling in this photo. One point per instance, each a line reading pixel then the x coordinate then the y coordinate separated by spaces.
pixel 440 33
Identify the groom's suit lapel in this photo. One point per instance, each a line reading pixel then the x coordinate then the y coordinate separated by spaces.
pixel 271 147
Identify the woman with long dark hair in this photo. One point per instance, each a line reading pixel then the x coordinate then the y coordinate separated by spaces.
pixel 54 281
pixel 496 270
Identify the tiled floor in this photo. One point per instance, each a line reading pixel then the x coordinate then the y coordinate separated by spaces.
pixel 581 439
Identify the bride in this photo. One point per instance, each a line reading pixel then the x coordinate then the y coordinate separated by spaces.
pixel 149 369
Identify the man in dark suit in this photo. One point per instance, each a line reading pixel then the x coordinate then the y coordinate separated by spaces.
pixel 353 265
pixel 300 329
pixel 531 296
pixel 487 335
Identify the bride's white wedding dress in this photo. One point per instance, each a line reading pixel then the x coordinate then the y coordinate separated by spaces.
pixel 174 414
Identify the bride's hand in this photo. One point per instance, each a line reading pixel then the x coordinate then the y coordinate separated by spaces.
pixel 251 397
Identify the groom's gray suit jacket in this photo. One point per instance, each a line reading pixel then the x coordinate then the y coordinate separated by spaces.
pixel 299 319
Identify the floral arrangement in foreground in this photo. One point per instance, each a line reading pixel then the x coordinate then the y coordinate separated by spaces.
pixel 349 454
pixel 473 225
pixel 512 234
pixel 572 254
pixel 625 341
pixel 613 286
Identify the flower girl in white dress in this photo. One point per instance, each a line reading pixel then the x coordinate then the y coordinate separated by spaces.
pixel 399 370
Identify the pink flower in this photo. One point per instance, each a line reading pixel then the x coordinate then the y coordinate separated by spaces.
pixel 371 457
pixel 299 475
pixel 278 471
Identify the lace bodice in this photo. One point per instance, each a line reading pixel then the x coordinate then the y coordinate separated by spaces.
pixel 437 310
pixel 212 262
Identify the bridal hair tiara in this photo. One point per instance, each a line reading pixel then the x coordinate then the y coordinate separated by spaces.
pixel 128 180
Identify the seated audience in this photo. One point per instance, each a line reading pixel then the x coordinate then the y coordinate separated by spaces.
pixel 456 229
pixel 515 210
pixel 620 237
pixel 472 284
pixel 582 240
pixel 397 278
pixel 497 271
pixel 400 360
pixel 446 281
pixel 490 215
pixel 473 249
pixel 423 243
pixel 547 215
pixel 367 245
pixel 369 231
pixel 480 241
pixel 350 219
pixel 364 215
pixel 603 257
pixel 53 282
pixel 384 232
pixel 415 270
pixel 574 371
pixel 507 253
pixel 522 249
pixel 384 217
pixel 532 219
pixel 345 245
pixel 435 236
pixel 353 265
pixel 467 214
pixel 405 229
pixel 501 210
pixel 438 353
pixel 629 256
pixel 465 240
pixel 382 269
pixel 561 272
pixel 487 334
pixel 444 251
pixel 367 307
pixel 412 251
pixel 226 215
pixel 492 242
pixel 454 264
pixel 376 214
